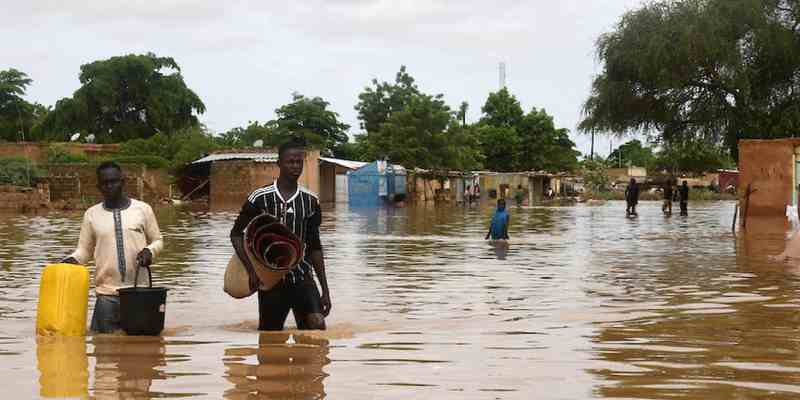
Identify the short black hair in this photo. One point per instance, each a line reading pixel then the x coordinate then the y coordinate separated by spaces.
pixel 108 164
pixel 294 142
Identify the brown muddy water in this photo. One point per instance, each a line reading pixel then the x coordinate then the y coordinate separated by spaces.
pixel 583 304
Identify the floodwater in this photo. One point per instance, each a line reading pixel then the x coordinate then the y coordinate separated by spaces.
pixel 584 303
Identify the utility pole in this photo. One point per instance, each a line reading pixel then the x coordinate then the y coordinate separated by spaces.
pixel 502 75
pixel 591 154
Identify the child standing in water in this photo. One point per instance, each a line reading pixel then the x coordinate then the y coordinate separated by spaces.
pixel 498 229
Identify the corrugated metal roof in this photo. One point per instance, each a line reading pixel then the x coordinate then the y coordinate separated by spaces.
pixel 257 157
pixel 344 163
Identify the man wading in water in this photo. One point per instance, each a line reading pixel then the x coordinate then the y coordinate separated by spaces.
pixel 632 197
pixel 120 233
pixel 299 210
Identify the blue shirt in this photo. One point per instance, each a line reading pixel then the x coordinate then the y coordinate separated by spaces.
pixel 499 225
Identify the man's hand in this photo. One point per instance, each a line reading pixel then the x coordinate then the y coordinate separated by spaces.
pixel 487 237
pixel 144 258
pixel 69 260
pixel 326 303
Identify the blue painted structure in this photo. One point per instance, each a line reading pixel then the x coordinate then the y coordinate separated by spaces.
pixel 376 184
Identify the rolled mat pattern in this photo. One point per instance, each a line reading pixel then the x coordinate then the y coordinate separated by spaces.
pixel 271 244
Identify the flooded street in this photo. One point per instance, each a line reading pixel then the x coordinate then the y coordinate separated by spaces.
pixel 583 304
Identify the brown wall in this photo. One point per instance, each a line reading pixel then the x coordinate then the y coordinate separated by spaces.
pixel 233 180
pixel 327 180
pixel 767 165
pixel 14 198
pixel 38 151
pixel 78 183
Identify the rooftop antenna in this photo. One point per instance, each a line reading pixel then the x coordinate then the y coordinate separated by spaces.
pixel 502 75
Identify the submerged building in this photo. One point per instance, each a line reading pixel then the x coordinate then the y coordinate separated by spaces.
pixel 771 168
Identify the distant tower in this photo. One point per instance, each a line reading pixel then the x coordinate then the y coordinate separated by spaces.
pixel 502 75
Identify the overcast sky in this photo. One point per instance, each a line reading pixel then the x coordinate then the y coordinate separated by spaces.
pixel 244 59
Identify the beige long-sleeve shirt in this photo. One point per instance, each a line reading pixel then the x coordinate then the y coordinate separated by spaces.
pixel 98 240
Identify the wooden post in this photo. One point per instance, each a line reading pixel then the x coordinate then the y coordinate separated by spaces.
pixel 735 214
pixel 747 194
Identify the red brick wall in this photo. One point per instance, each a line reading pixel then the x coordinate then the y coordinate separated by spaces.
pixel 767 165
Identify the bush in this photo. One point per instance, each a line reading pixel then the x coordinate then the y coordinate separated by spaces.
pixel 148 161
pixel 18 171
pixel 59 155
pixel 177 149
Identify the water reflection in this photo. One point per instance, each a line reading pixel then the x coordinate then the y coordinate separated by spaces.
pixel 63 366
pixel 285 366
pixel 125 366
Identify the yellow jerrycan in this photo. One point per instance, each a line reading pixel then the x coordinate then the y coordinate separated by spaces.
pixel 63 300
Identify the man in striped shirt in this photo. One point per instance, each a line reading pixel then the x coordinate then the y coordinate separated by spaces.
pixel 299 210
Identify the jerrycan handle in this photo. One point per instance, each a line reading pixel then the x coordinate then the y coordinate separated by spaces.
pixel 136 275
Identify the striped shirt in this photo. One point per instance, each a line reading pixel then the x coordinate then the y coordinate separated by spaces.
pixel 300 213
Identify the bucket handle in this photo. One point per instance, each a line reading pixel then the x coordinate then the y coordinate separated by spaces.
pixel 136 275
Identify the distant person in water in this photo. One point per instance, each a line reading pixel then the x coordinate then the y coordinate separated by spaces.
pixel 519 195
pixel 468 196
pixel 632 197
pixel 683 197
pixel 498 229
pixel 120 234
pixel 666 208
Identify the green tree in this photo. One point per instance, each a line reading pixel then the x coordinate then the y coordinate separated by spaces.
pixel 246 137
pixel 17 116
pixel 543 147
pixel 412 128
pixel 178 149
pixel 514 141
pixel 633 153
pixel 502 109
pixel 311 118
pixel 500 147
pixel 595 175
pixel 414 136
pixel 378 102
pixel 713 70
pixel 692 155
pixel 127 97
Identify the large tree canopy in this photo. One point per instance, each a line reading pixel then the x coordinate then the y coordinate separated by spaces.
pixel 127 97
pixel 311 118
pixel 716 70
pixel 412 128
pixel 515 141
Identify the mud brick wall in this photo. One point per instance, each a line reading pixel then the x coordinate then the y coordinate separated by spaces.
pixel 14 198
pixel 38 151
pixel 767 165
pixel 231 181
pixel 78 183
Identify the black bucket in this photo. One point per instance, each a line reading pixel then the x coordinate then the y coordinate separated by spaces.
pixel 141 309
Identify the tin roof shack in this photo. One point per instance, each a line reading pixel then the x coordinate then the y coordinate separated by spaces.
pixel 376 184
pixel 623 175
pixel 333 178
pixel 771 168
pixel 501 185
pixel 438 186
pixel 728 180
pixel 234 174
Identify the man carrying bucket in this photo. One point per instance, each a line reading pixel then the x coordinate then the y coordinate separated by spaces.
pixel 120 234
pixel 298 210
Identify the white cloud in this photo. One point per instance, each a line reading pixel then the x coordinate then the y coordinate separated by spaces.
pixel 245 58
